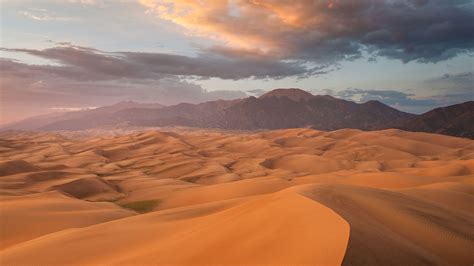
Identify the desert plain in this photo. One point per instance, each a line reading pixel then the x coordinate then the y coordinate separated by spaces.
pixel 207 197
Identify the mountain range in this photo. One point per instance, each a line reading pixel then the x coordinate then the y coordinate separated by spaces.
pixel 277 109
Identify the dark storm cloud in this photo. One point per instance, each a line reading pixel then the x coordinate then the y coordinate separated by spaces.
pixel 328 31
pixel 423 31
pixel 426 31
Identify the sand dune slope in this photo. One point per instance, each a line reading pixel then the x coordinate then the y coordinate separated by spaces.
pixel 251 232
pixel 27 217
pixel 184 196
pixel 396 229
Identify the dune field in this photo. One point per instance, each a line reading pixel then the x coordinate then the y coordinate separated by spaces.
pixel 208 197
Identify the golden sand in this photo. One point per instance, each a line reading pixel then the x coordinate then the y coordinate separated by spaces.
pixel 296 196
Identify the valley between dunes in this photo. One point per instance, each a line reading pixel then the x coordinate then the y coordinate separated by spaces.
pixel 288 197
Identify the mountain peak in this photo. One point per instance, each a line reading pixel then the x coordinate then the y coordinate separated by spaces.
pixel 294 94
pixel 375 103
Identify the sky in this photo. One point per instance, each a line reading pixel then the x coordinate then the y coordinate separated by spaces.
pixel 413 55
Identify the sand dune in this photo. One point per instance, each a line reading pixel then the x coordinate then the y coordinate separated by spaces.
pixel 251 232
pixel 15 167
pixel 396 229
pixel 31 216
pixel 183 196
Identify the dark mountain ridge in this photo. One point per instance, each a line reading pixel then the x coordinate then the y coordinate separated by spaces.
pixel 277 109
pixel 455 120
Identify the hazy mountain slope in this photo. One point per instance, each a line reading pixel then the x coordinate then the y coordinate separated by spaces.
pixel 81 119
pixel 36 122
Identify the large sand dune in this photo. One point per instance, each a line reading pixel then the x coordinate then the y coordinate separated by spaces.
pixel 288 197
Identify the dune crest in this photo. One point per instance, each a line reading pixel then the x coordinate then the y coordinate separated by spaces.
pixel 181 196
pixel 251 232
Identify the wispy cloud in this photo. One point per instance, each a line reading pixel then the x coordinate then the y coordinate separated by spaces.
pixel 465 78
pixel 70 109
pixel 41 14
pixel 86 2
pixel 256 92
pixel 409 102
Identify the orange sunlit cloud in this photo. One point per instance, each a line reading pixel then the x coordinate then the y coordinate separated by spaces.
pixel 258 25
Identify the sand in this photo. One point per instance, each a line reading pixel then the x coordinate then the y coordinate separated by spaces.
pixel 288 197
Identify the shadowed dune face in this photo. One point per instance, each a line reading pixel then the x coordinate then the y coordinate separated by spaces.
pixel 295 196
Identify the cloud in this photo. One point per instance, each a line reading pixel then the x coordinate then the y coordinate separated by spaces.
pixel 41 14
pixel 83 77
pixel 328 31
pixel 465 76
pixel 389 97
pixel 86 2
pixel 68 109
pixel 464 79
pixel 22 97
pixel 256 92
pixel 408 102
pixel 92 64
pixel 461 83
